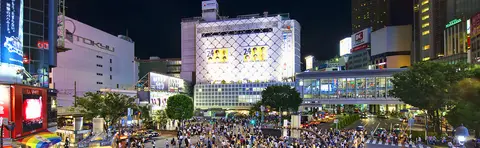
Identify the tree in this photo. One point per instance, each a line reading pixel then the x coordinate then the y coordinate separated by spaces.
pixel 427 85
pixel 109 106
pixel 160 117
pixel 255 108
pixel 179 107
pixel 281 97
pixel 145 115
pixel 466 108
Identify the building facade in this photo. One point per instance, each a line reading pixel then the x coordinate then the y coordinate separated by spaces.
pixel 360 52
pixel 170 66
pixel 391 47
pixel 475 38
pixel 380 13
pixel 430 23
pixel 97 60
pixel 366 89
pixel 249 51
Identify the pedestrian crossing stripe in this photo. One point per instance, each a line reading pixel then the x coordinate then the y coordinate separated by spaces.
pixel 380 142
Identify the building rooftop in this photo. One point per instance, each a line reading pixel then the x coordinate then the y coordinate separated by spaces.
pixel 350 73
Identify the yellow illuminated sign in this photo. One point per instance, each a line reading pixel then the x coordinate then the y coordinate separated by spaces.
pixel 217 55
pixel 255 53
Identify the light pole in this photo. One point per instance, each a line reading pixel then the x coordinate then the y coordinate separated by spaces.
pixel 461 133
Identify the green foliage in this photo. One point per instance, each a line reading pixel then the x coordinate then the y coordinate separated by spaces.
pixel 281 97
pixel 145 115
pixel 466 105
pixel 427 85
pixel 160 117
pixel 255 108
pixel 179 107
pixel 109 106
pixel 346 121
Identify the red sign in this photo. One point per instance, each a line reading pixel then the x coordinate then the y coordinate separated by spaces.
pixel 5 97
pixel 359 36
pixel 42 44
pixel 360 47
pixel 29 110
pixel 475 28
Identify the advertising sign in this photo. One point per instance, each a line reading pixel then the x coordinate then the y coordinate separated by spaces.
pixel 468 26
pixel 217 55
pixel 255 53
pixel 345 46
pixel 309 62
pixel 361 37
pixel 72 27
pixel 159 99
pixel 5 96
pixel 159 82
pixel 32 109
pixel 475 26
pixel 11 34
pixel 210 4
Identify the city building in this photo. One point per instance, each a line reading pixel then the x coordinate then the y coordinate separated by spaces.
pixel 391 47
pixel 25 62
pixel 360 90
pixel 475 38
pixel 456 41
pixel 360 52
pixel 236 58
pixel 430 20
pixel 170 66
pixel 380 13
pixel 97 60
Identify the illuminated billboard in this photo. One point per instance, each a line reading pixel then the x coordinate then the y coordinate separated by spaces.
pixel 308 62
pixel 255 53
pixel 32 109
pixel 345 46
pixel 217 55
pixel 159 82
pixel 475 26
pixel 361 38
pixel 5 96
pixel 11 39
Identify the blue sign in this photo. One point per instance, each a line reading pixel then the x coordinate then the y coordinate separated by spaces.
pixel 11 34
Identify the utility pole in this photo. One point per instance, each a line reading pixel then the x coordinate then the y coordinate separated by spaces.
pixel 75 93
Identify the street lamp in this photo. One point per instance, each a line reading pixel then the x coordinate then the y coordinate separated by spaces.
pixel 461 133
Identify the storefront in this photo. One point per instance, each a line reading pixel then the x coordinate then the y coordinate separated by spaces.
pixel 25 106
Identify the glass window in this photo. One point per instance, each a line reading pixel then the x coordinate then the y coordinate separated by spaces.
pixel 360 85
pixel 341 90
pixel 36 29
pixel 36 16
pixel 370 84
pixel 350 92
pixel 37 4
pixel 380 81
pixel 389 84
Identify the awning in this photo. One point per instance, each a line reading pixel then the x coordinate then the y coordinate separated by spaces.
pixel 41 140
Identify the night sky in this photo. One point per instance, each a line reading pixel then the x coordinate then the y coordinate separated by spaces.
pixel 154 25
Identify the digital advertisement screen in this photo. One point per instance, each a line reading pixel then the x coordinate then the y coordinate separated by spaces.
pixel 32 109
pixel 217 55
pixel 159 82
pixel 255 53
pixel 159 99
pixel 11 34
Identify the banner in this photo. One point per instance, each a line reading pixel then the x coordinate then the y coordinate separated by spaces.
pixel 217 55
pixel 255 53
pixel 11 34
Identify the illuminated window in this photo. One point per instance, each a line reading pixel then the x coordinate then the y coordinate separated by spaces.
pixel 426 32
pixel 426 47
pixel 425 25
pixel 425 2
pixel 426 59
pixel 425 17
pixel 425 9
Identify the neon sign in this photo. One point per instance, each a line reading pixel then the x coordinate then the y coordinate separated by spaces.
pixel 453 22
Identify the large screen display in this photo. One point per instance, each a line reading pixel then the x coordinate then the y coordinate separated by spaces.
pixel 255 53
pixel 11 13
pixel 32 109
pixel 217 55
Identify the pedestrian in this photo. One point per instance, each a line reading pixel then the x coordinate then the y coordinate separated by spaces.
pixel 153 143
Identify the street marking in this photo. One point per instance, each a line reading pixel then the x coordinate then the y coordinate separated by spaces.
pixel 368 140
pixel 386 143
pixel 374 141
pixel 393 144
pixel 420 146
pixel 413 145
pixel 399 144
pixel 380 142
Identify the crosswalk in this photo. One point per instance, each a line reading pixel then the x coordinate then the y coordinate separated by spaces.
pixel 375 141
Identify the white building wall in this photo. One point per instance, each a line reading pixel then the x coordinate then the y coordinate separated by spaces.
pixel 391 39
pixel 188 50
pixel 82 63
